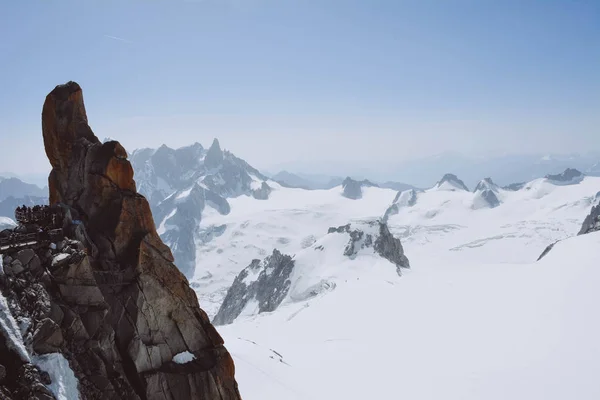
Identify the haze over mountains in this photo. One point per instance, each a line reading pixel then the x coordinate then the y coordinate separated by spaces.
pixel 298 256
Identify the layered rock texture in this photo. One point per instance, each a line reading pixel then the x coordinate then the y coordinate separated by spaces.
pixel 117 307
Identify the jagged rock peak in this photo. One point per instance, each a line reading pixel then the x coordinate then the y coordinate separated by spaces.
pixel 353 188
pixel 133 269
pixel 486 184
pixel 265 282
pixel 569 176
pixel 451 182
pixel 214 156
pixel 486 194
pixel 591 223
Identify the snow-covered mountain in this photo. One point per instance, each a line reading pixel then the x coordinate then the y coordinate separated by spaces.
pixel 181 184
pixel 290 291
pixel 451 330
pixel 474 311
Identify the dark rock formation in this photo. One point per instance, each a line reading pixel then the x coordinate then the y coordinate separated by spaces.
pixel 513 187
pixel 214 157
pixel 264 285
pixel 488 190
pixel 382 241
pixel 406 198
pixel 390 248
pixel 263 192
pixel 264 282
pixel 547 250
pixel 129 309
pixel 353 188
pixel 591 223
pixel 453 181
pixel 570 176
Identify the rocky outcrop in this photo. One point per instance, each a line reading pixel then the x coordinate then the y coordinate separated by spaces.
pixel 263 192
pixel 513 187
pixel 262 285
pixel 451 182
pixel 591 223
pixel 382 241
pixel 570 176
pixel 486 194
pixel 214 156
pixel 141 311
pixel 352 189
pixel 406 198
pixel 547 250
pixel 265 285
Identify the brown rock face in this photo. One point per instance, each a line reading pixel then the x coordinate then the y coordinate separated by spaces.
pixel 151 308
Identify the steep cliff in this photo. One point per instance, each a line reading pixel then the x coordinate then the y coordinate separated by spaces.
pixel 144 313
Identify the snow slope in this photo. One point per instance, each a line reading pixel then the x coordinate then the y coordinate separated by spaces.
pixel 517 231
pixel 467 330
pixel 291 220
pixel 443 224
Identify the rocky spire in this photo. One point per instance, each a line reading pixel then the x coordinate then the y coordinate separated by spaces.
pixel 153 311
pixel 214 156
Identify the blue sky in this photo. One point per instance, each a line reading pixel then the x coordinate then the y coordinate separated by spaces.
pixel 308 81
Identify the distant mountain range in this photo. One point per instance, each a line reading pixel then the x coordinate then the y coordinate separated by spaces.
pixel 424 172
pixel 320 182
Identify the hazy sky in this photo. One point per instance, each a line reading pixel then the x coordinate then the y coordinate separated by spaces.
pixel 311 81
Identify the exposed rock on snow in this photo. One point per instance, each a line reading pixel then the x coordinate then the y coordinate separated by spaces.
pixel 262 285
pixel 263 192
pixel 406 198
pixel 570 176
pixel 513 187
pixel 486 193
pixel 353 188
pixel 591 223
pixel 547 250
pixel 383 242
pixel 451 182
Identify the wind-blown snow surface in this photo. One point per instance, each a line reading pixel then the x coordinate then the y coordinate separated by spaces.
pixel 441 224
pixel 444 331
pixel 291 220
pixel 475 318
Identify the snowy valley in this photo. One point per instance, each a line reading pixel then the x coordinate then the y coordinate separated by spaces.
pixel 433 293
pixel 471 314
